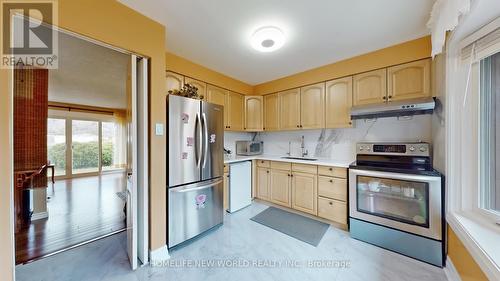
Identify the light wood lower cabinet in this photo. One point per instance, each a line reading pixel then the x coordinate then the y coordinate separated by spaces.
pixel 331 187
pixel 263 183
pixel 312 189
pixel 304 192
pixel 332 209
pixel 280 187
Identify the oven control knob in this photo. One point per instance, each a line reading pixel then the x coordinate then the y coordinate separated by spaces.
pixel 360 148
pixel 412 148
pixel 367 148
pixel 423 149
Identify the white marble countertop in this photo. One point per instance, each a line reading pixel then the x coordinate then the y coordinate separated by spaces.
pixel 343 163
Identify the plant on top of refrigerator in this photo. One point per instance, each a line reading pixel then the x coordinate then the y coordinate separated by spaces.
pixel 188 91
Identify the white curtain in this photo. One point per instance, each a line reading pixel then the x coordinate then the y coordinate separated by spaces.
pixel 445 15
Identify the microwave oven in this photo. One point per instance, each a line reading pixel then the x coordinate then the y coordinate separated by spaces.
pixel 249 147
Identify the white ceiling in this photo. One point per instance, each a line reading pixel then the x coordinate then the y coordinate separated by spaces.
pixel 88 74
pixel 216 33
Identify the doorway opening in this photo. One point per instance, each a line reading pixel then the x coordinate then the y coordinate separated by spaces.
pixel 75 148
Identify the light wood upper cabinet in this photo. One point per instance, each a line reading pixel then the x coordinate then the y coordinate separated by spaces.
pixel 254 113
pixel 263 183
pixel 312 106
pixel 271 112
pixel 338 103
pixel 409 80
pixel 235 108
pixel 174 81
pixel 202 86
pixel 216 95
pixel 280 187
pixel 370 87
pixel 305 192
pixel 290 109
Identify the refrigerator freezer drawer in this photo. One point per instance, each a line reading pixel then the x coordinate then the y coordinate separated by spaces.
pixel 193 209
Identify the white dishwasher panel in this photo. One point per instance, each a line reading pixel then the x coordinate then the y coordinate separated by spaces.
pixel 240 185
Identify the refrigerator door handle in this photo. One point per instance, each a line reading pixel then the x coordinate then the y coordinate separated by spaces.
pixel 188 188
pixel 205 132
pixel 199 140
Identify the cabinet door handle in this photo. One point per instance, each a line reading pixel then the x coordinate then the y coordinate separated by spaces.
pixel 384 97
pixel 331 203
pixel 331 181
pixel 331 169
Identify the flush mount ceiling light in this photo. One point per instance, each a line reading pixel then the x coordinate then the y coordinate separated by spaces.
pixel 268 39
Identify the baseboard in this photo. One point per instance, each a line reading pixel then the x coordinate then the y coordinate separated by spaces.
pixel 450 271
pixel 159 256
pixel 39 216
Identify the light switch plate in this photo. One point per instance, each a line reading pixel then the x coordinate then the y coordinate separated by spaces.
pixel 159 129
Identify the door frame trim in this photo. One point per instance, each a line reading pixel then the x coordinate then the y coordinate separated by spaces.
pixel 10 81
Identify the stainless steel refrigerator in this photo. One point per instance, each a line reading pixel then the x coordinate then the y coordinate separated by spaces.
pixel 195 167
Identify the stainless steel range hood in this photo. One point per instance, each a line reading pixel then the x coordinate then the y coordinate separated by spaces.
pixel 394 108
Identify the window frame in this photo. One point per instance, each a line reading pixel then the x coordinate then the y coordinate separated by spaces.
pixel 477 228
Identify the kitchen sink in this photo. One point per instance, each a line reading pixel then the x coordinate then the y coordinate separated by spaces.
pixel 299 158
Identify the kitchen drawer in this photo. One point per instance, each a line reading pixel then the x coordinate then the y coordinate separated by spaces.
pixel 332 171
pixel 287 166
pixel 263 163
pixel 332 209
pixel 226 168
pixel 305 168
pixel 333 188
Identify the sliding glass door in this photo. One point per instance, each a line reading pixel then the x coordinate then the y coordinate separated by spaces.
pixel 56 145
pixel 78 147
pixel 85 146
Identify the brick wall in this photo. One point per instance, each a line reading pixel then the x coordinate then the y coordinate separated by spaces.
pixel 30 121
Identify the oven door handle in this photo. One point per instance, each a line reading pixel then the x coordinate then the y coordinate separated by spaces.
pixel 391 175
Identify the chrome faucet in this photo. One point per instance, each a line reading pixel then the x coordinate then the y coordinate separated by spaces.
pixel 302 146
pixel 289 153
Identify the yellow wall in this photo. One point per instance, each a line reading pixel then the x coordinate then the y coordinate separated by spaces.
pixel 115 24
pixel 462 260
pixel 397 54
pixel 6 224
pixel 183 66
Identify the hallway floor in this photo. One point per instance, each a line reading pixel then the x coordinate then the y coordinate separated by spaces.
pixel 240 250
pixel 80 209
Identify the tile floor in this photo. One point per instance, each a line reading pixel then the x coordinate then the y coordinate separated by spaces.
pixel 239 239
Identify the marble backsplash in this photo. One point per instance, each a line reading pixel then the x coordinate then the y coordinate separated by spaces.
pixel 340 143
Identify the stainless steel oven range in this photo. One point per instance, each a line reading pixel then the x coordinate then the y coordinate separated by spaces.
pixel 396 200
